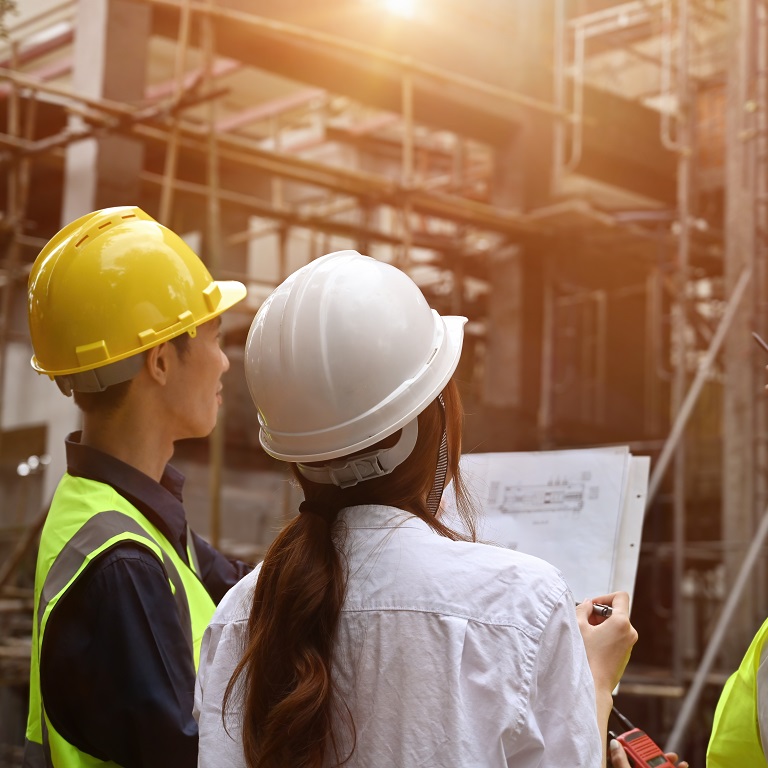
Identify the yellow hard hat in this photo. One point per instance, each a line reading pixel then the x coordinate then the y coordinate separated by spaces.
pixel 112 284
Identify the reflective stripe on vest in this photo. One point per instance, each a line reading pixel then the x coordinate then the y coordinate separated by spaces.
pixel 75 512
pixel 93 537
pixel 735 739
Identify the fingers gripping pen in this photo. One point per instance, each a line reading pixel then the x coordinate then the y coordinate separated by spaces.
pixel 601 610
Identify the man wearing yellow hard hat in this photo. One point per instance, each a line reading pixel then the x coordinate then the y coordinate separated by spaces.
pixel 124 317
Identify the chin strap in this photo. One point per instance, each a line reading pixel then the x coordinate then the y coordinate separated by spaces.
pixel 352 470
pixel 441 470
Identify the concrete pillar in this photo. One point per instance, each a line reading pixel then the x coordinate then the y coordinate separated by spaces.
pixel 502 385
pixel 109 63
pixel 521 181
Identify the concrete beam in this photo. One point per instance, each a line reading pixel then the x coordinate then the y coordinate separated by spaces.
pixel 618 132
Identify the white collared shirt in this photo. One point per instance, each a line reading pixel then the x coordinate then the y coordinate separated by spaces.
pixel 448 654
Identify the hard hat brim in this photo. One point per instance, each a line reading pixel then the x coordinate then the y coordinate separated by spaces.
pixel 231 292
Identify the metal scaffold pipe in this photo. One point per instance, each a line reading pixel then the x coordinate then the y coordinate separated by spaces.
pixel 716 639
pixel 693 392
pixel 213 251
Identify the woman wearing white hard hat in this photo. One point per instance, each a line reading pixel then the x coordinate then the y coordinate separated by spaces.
pixel 373 634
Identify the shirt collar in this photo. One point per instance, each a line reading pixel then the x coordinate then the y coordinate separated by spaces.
pixel 378 516
pixel 161 503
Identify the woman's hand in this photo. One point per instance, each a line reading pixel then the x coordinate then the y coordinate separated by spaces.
pixel 619 757
pixel 608 641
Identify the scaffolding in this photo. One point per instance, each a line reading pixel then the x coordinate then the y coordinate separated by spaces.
pixel 372 170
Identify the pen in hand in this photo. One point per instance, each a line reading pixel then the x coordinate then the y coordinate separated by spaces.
pixel 601 610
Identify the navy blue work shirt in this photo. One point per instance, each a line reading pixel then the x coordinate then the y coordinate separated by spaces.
pixel 116 675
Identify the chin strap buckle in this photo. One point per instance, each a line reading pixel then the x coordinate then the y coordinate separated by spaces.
pixel 352 470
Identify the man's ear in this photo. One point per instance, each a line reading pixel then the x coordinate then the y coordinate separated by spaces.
pixel 157 362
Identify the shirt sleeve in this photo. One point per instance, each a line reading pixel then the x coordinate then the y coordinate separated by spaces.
pixel 218 573
pixel 562 701
pixel 117 677
pixel 221 650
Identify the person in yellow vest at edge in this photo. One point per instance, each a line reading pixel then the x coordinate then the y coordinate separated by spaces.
pixel 741 717
pixel 125 317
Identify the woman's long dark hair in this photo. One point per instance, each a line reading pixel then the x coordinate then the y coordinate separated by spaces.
pixel 290 710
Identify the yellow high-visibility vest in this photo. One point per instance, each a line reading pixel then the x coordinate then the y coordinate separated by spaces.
pixel 87 518
pixel 735 739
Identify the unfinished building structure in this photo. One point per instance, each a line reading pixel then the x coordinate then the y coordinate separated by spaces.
pixel 585 180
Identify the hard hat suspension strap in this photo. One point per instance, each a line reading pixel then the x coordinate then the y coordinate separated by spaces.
pixel 98 379
pixel 352 470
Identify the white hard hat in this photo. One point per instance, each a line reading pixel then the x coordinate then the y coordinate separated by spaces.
pixel 342 354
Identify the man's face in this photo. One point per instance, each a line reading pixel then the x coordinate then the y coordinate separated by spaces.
pixel 194 384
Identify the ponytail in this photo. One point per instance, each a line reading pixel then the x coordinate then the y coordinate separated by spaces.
pixel 288 702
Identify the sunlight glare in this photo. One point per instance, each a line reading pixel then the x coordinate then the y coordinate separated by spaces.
pixel 400 7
